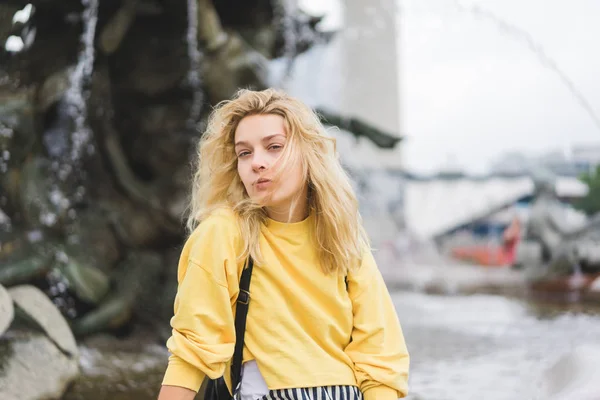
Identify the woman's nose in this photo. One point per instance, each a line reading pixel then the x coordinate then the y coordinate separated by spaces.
pixel 258 162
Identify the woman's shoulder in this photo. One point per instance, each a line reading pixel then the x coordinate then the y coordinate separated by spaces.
pixel 221 215
pixel 221 222
pixel 365 266
pixel 214 240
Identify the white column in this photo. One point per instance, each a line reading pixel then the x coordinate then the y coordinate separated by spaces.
pixel 357 74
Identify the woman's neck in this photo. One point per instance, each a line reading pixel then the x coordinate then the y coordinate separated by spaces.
pixel 286 214
pixel 289 213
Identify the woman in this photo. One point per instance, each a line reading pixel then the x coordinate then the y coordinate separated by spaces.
pixel 270 186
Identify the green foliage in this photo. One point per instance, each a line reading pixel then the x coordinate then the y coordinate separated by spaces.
pixel 590 204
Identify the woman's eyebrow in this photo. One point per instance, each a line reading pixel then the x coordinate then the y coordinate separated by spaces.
pixel 265 139
pixel 241 143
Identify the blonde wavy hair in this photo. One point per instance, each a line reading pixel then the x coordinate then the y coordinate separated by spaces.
pixel 338 229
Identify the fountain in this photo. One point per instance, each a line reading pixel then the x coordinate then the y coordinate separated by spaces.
pixel 195 57
pixel 98 118
pixel 74 96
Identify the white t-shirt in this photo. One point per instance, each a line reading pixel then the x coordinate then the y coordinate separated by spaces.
pixel 253 385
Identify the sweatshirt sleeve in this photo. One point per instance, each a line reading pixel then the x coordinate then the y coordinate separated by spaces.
pixel 377 347
pixel 203 332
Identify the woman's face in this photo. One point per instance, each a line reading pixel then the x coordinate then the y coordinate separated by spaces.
pixel 259 142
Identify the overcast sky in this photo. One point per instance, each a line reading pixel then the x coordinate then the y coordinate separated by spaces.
pixel 472 90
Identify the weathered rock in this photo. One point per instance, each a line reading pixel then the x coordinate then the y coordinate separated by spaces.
pixel 43 202
pixel 54 88
pixel 4 220
pixel 131 367
pixel 40 309
pixel 33 368
pixel 6 26
pixel 117 27
pixel 233 66
pixel 16 106
pixel 17 121
pixel 96 244
pixel 24 269
pixel 138 289
pixel 139 229
pixel 89 284
pixel 7 311
pixel 151 63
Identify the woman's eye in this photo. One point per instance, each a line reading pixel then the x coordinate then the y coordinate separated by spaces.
pixel 275 147
pixel 243 153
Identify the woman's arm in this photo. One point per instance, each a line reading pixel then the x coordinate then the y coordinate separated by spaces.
pixel 377 348
pixel 175 393
pixel 203 335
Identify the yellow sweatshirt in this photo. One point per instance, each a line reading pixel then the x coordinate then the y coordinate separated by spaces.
pixel 305 328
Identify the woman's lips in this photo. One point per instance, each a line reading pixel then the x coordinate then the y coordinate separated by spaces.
pixel 262 183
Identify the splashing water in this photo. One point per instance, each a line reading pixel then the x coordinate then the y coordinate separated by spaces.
pixel 469 343
pixel 195 57
pixel 536 48
pixel 4 157
pixel 66 159
pixel 4 220
pixel 75 98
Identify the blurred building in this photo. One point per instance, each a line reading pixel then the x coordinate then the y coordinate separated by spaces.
pixel 356 75
pixel 467 216
pixel 439 206
pixel 579 159
pixel 470 213
pixel 586 157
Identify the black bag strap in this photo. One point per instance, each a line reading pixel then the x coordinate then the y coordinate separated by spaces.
pixel 243 301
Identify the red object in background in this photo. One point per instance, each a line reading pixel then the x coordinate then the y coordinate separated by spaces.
pixel 488 255
pixel 510 239
pixel 493 255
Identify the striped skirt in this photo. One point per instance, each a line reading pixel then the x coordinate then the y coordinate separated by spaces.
pixel 316 393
